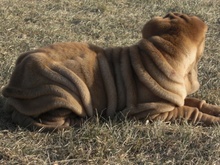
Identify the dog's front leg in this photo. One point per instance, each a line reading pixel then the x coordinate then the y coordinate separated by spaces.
pixel 203 106
pixel 167 112
pixel 191 114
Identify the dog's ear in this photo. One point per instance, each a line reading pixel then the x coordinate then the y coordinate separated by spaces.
pixel 160 26
pixel 155 27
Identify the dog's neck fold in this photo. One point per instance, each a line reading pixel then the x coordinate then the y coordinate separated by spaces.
pixel 156 70
pixel 147 64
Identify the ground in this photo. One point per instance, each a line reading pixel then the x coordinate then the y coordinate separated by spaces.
pixel 29 24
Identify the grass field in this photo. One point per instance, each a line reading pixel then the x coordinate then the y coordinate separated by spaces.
pixel 29 24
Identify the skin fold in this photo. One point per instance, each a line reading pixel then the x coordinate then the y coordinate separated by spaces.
pixel 58 86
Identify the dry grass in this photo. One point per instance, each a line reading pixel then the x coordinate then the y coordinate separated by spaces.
pixel 29 24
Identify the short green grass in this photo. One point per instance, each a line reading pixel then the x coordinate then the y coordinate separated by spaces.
pixel 29 24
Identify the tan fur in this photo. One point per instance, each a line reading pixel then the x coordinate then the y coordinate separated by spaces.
pixel 58 85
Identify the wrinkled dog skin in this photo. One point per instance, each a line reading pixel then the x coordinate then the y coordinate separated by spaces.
pixel 56 86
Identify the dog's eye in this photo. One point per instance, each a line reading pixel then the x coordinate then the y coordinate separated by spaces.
pixel 184 17
pixel 171 16
pixel 177 14
pixel 166 16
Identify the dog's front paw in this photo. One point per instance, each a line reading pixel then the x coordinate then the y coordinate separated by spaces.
pixel 211 109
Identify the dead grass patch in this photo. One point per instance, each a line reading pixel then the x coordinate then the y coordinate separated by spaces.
pixel 30 24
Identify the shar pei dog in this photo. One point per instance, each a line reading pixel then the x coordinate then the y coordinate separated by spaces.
pixel 55 87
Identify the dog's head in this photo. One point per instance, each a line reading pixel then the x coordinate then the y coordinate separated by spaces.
pixel 175 24
pixel 186 33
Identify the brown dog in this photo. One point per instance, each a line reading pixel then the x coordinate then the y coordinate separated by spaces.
pixel 53 86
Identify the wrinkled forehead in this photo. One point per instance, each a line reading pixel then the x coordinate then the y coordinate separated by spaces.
pixel 186 22
pixel 191 19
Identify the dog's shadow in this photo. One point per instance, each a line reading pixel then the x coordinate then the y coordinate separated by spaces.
pixel 5 120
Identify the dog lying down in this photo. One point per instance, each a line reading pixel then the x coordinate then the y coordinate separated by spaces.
pixel 55 86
